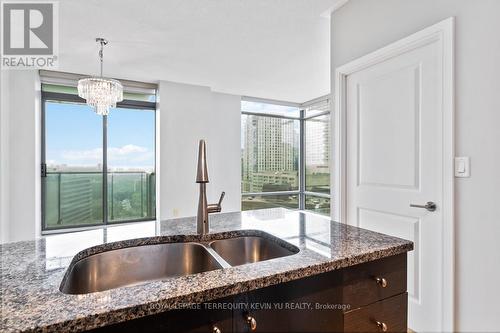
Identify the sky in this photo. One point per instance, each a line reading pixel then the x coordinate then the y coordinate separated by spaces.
pixel 74 137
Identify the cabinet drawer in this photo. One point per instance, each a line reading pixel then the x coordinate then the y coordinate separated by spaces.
pixel 202 320
pixel 373 281
pixel 281 317
pixel 389 315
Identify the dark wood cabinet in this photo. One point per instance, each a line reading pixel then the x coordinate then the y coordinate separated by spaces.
pixel 369 297
pixel 202 318
pixel 293 306
pixel 372 281
pixel 388 315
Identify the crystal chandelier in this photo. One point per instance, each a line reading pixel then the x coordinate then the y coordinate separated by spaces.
pixel 99 92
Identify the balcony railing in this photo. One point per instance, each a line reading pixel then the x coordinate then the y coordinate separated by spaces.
pixel 76 198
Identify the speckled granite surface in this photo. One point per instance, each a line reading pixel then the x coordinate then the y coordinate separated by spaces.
pixel 32 271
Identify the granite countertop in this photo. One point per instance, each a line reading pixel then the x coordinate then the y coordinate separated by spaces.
pixel 32 271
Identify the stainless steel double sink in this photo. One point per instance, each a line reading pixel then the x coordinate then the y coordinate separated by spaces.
pixel 137 264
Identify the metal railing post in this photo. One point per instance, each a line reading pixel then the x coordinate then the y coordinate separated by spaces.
pixel 142 194
pixel 59 220
pixel 112 196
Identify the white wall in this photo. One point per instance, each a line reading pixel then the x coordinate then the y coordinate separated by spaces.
pixel 189 113
pixel 362 26
pixel 20 156
pixel 4 151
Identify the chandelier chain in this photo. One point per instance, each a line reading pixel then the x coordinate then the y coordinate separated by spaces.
pixel 103 42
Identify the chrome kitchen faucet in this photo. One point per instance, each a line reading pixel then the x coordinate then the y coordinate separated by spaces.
pixel 202 226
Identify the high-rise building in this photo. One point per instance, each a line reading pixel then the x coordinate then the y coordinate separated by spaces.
pixel 269 154
pixel 317 142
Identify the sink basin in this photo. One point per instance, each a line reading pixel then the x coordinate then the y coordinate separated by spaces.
pixel 249 249
pixel 142 263
pixel 127 266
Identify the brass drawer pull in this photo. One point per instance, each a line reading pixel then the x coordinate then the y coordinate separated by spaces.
pixel 215 329
pixel 382 326
pixel 381 282
pixel 252 323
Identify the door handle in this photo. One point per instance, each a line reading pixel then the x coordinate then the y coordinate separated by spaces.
pixel 430 206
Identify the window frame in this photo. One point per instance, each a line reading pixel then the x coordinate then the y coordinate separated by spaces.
pixel 301 191
pixel 71 98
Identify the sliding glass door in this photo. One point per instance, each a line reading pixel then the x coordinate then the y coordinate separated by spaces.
pixel 73 190
pixel 96 170
pixel 131 165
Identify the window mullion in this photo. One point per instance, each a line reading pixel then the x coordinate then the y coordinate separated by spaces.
pixel 302 173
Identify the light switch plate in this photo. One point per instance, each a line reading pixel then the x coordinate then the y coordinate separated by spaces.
pixel 462 167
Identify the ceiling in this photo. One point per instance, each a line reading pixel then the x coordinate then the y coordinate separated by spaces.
pixel 277 49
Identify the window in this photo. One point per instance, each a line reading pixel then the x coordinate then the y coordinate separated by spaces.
pixel 285 156
pixel 317 157
pixel 97 170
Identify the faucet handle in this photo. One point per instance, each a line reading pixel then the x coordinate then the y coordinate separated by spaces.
pixel 216 208
pixel 221 198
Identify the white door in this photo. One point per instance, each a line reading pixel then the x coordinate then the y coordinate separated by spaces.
pixel 394 158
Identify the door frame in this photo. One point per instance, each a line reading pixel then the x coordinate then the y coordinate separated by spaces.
pixel 443 33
